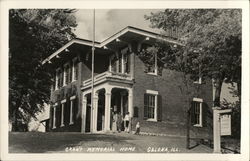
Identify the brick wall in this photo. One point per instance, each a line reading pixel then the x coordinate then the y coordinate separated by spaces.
pixel 173 113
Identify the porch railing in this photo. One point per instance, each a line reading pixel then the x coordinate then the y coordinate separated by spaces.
pixel 105 75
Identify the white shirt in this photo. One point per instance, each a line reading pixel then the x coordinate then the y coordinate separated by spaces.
pixel 126 118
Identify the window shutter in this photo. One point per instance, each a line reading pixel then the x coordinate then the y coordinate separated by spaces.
pixel 145 106
pixel 192 113
pixel 159 108
pixel 70 73
pixel 204 114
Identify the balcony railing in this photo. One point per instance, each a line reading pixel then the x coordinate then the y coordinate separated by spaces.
pixel 107 75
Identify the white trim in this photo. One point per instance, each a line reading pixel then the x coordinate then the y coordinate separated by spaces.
pixel 63 101
pixel 62 115
pixel 198 99
pixel 155 93
pixel 65 73
pixel 153 120
pixel 199 81
pixel 72 97
pixel 148 91
pixel 71 112
pixel 152 73
pixel 54 117
pixel 56 104
pixel 57 78
pixel 73 69
pixel 112 38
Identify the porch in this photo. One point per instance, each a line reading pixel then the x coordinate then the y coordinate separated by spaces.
pixel 108 98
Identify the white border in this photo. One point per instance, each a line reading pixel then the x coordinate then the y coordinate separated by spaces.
pixel 5 5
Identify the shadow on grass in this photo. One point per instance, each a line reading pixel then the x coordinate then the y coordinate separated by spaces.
pixel 36 142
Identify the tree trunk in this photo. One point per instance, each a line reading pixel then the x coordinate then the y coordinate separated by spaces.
pixel 188 129
pixel 239 90
pixel 14 122
pixel 217 84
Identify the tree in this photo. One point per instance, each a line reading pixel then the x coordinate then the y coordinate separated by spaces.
pixel 214 35
pixel 211 47
pixel 33 35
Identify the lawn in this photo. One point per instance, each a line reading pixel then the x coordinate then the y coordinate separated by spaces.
pixel 35 142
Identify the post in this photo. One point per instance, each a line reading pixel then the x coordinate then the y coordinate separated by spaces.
pixel 92 74
pixel 216 130
pixel 95 111
pixel 107 109
pixel 130 107
pixel 84 108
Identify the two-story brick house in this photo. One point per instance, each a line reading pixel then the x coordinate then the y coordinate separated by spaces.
pixel 122 83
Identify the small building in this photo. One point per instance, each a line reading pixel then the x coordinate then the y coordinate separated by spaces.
pixel 123 83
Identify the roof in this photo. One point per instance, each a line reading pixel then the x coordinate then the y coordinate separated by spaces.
pixel 102 44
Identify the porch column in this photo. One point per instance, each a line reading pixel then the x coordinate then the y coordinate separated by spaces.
pixel 84 108
pixel 62 113
pixel 54 116
pixel 130 108
pixel 130 102
pixel 122 99
pixel 72 109
pixel 107 108
pixel 95 110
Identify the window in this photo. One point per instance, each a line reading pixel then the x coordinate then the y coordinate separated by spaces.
pixel 150 105
pixel 152 68
pixel 199 80
pixel 196 116
pixel 121 62
pixel 75 70
pixel 66 74
pixel 59 79
pixel 126 63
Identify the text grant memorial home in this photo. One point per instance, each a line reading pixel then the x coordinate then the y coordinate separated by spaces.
pixel 123 83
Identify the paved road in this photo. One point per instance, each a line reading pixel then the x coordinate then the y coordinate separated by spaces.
pixel 96 143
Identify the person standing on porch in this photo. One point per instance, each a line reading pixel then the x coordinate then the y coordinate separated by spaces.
pixel 119 122
pixel 114 123
pixel 126 120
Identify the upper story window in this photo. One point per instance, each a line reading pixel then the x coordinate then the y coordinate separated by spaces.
pixel 75 70
pixel 150 56
pixel 199 80
pixel 120 63
pixel 196 112
pixel 66 74
pixel 59 78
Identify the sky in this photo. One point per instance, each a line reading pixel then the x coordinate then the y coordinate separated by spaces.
pixel 110 21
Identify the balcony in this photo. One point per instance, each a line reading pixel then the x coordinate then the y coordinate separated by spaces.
pixel 108 76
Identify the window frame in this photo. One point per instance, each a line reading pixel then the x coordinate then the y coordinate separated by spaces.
pixel 155 67
pixel 66 67
pixel 74 64
pixel 199 81
pixel 58 78
pixel 120 62
pixel 155 94
pixel 200 101
pixel 72 110
pixel 54 115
